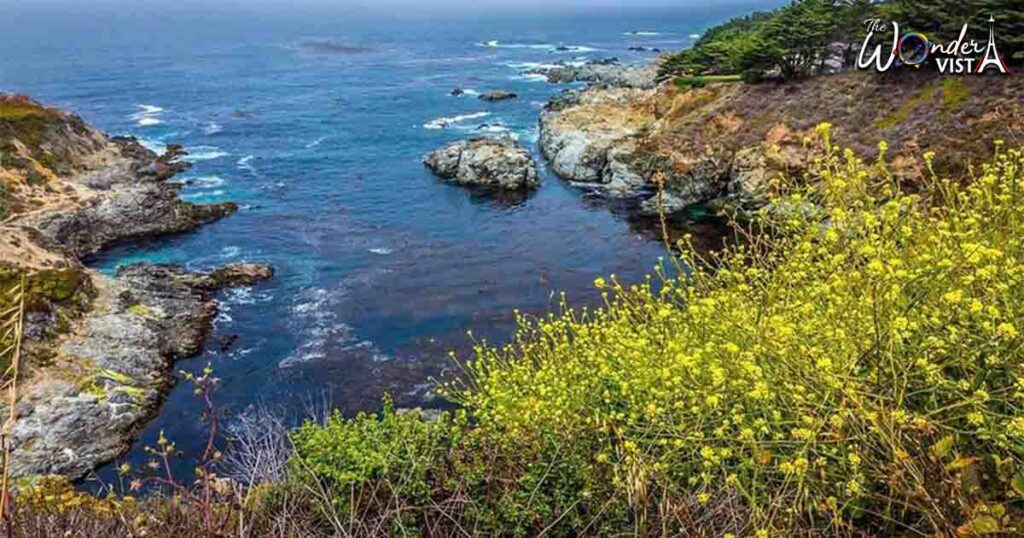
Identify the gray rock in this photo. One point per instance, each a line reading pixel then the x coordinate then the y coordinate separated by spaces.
pixel 497 95
pixel 607 73
pixel 132 200
pixel 147 317
pixel 495 162
pixel 603 153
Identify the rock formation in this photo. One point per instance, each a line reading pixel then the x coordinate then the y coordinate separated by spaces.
pixel 484 161
pixel 98 351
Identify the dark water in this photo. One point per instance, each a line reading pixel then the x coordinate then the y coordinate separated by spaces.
pixel 315 122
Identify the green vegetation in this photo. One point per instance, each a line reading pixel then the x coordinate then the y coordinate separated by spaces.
pixel 698 81
pixel 900 115
pixel 954 93
pixel 791 42
pixel 854 368
pixel 794 41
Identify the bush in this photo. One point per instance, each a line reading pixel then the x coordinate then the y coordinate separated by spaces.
pixel 856 366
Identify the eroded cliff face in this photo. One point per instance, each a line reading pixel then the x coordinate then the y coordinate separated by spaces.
pixel 98 351
pixel 726 142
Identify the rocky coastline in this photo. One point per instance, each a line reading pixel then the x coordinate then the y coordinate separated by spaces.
pixel 98 351
pixel 721 145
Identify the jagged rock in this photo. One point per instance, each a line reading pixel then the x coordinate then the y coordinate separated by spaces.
pixel 496 162
pixel 606 73
pixel 497 95
pixel 124 212
pixel 241 274
pixel 587 137
pixel 147 317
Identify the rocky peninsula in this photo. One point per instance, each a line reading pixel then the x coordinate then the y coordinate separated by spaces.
pixel 98 351
pixel 721 145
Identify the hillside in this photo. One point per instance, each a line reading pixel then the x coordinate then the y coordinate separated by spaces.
pixel 726 141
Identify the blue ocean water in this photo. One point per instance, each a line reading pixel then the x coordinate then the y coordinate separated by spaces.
pixel 315 121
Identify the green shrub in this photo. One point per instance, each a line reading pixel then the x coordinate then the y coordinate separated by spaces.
pixel 345 454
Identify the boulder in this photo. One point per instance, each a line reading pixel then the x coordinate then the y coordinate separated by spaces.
pixel 497 95
pixel 484 161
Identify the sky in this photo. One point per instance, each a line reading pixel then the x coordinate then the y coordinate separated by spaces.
pixel 369 6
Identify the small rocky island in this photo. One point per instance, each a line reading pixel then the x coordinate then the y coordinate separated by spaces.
pixel 98 351
pixel 499 162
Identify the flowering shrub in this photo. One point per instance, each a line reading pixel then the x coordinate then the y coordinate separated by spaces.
pixel 852 368
pixel 855 365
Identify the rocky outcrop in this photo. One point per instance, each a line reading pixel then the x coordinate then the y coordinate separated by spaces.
pixel 497 95
pixel 598 138
pixel 601 73
pixel 143 320
pixel 484 161
pixel 591 137
pixel 98 351
pixel 128 199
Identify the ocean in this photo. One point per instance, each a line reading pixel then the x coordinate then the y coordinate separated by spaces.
pixel 314 121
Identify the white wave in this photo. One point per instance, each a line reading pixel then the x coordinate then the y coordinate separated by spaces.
pixel 203 194
pixel 223 314
pixel 246 296
pixel 207 181
pixel 694 36
pixel 531 77
pixel 242 352
pixel 316 142
pixel 146 110
pixel 314 319
pixel 381 251
pixel 646 33
pixel 441 123
pixel 231 251
pixel 527 66
pixel 205 153
pixel 147 115
pixel 499 45
pixel 572 48
pixel 155 146
pixel 212 128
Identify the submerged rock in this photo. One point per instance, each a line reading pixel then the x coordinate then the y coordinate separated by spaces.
pixel 497 95
pixel 457 92
pixel 485 161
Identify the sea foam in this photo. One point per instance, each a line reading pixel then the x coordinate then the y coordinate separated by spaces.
pixel 441 123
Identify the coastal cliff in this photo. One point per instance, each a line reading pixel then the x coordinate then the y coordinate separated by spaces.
pixel 724 143
pixel 98 350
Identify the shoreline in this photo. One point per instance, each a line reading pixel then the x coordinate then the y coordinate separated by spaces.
pixel 99 350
